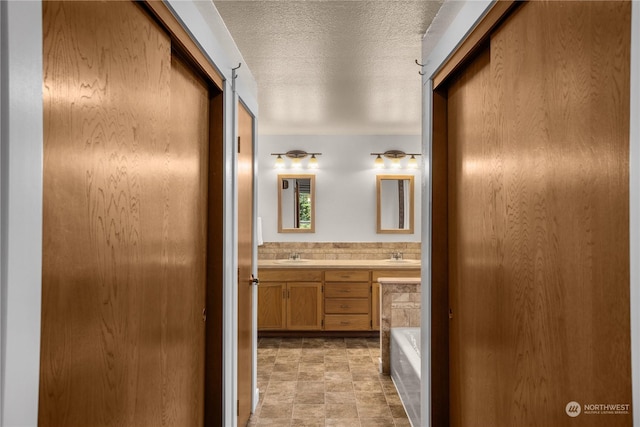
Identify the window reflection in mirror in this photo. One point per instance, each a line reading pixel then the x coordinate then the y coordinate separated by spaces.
pixel 395 200
pixel 296 203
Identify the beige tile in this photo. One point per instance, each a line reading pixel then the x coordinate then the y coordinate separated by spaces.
pixel 309 397
pixel 397 411
pixel 341 410
pixel 373 410
pixel 311 367
pixel 305 410
pixel 336 352
pixel 310 386
pixel 312 358
pixel 276 410
pixel 335 343
pixel 358 376
pixel 337 376
pixel 336 367
pixel 338 386
pixel 284 376
pixel 377 422
pixel 285 367
pixel 311 376
pixel 367 398
pixel 402 422
pixel 279 422
pixel 339 397
pixel 393 399
pixel 313 351
pixel 289 351
pixel 307 422
pixel 349 422
pixel 367 386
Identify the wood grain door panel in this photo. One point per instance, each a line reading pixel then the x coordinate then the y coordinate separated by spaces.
pixel 245 263
pixel 538 219
pixel 272 305
pixel 304 306
pixel 124 229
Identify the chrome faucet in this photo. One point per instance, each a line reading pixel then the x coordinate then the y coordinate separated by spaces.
pixel 396 255
pixel 294 256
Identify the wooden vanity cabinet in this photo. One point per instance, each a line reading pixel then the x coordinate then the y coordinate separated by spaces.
pixel 290 300
pixel 347 300
pixel 375 290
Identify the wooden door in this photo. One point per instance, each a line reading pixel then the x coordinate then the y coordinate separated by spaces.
pixel 538 220
pixel 124 222
pixel 271 305
pixel 304 306
pixel 245 264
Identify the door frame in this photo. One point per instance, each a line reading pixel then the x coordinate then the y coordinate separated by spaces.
pixel 462 28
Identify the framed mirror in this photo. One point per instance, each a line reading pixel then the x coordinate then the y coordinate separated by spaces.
pixel 395 199
pixel 296 203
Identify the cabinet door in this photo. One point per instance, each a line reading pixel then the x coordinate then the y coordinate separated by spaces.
pixel 271 305
pixel 375 306
pixel 304 306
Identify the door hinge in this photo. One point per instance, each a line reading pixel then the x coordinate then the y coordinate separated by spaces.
pixel 238 144
pixel 238 408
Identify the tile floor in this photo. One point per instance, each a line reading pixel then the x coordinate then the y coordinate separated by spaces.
pixel 324 382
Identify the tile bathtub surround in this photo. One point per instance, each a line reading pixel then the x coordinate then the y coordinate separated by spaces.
pixel 324 382
pixel 338 250
pixel 400 303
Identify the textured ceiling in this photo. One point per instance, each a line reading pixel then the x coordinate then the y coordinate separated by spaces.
pixel 333 67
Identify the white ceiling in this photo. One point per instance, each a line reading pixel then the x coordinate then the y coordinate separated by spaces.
pixel 333 67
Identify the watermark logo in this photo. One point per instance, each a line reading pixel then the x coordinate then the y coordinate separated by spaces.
pixel 573 409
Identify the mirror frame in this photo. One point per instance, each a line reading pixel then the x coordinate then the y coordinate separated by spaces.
pixel 379 179
pixel 312 228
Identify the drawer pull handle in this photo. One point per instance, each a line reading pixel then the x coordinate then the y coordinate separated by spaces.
pixel 344 306
pixel 344 322
pixel 345 291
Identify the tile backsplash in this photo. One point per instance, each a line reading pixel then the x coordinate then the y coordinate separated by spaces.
pixel 338 250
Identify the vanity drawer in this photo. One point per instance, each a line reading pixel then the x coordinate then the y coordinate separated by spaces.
pixel 290 275
pixel 347 322
pixel 346 305
pixel 346 276
pixel 346 290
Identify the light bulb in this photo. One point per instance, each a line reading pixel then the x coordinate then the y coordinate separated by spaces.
pixel 279 162
pixel 295 163
pixel 313 162
pixel 395 163
pixel 413 162
pixel 378 162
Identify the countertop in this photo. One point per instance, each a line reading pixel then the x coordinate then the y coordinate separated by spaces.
pixel 327 264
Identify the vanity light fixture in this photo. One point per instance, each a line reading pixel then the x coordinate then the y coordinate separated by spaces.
pixel 395 156
pixel 296 157
pixel 412 163
pixel 313 162
pixel 279 162
pixel 378 163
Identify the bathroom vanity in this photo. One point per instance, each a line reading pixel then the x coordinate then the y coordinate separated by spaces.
pixel 324 295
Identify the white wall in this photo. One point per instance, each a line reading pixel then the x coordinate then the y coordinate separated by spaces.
pixel 345 186
pixel 21 204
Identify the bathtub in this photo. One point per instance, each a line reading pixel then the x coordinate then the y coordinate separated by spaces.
pixel 405 369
